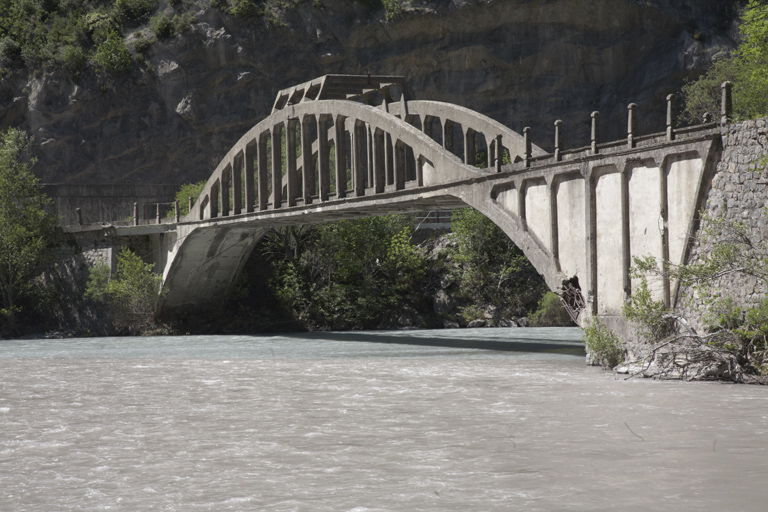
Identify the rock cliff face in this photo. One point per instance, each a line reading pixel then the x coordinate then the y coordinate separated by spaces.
pixel 522 62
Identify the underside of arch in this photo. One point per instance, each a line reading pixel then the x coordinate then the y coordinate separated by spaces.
pixel 206 264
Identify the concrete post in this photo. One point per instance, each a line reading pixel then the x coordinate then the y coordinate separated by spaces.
pixel 399 150
pixel 323 157
pixel 236 179
pixel 670 130
pixel 341 157
pixel 79 216
pixel 726 105
pixel 558 140
pixel 224 190
pixel 307 160
pixel 177 213
pixel 469 147
pixel 250 188
pixel 135 214
pixel 360 157
pixel 379 165
pixel 631 124
pixel 290 161
pixel 499 153
pixel 664 214
pixel 448 135
pixel 263 178
pixel 157 212
pixel 277 167
pixel 369 147
pixel 389 160
pixel 527 141
pixel 595 137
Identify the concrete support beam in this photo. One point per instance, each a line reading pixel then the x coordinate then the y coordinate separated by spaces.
pixel 290 162
pixel 263 176
pixel 307 158
pixel 379 165
pixel 250 171
pixel 323 156
pixel 341 156
pixel 360 157
pixel 469 146
pixel 277 166
pixel 237 185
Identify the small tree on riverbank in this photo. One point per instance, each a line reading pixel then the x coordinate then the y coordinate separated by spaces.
pixel 132 294
pixel 734 345
pixel 25 227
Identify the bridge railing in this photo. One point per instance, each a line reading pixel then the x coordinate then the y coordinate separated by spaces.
pixel 634 139
pixel 328 150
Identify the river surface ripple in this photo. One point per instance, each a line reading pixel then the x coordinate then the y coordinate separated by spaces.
pixel 366 422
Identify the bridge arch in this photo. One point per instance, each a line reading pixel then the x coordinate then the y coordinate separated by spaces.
pixel 573 213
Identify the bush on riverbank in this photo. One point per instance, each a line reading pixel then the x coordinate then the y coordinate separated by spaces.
pixel 131 295
pixel 734 344
pixel 551 313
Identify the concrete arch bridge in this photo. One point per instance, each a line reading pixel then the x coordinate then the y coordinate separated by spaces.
pixel 349 146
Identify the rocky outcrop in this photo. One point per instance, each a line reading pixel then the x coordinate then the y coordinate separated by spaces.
pixel 522 62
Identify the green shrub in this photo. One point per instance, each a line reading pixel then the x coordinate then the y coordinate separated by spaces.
pixel 141 44
pixel 246 8
pixel 135 9
pixel 550 312
pixel 604 346
pixel 651 316
pixel 99 25
pixel 746 69
pixel 10 53
pixel 490 268
pixel 392 9
pixel 74 59
pixel 186 191
pixel 113 55
pixel 132 294
pixel 182 22
pixel 162 26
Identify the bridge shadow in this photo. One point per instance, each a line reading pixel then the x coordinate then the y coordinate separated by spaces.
pixel 517 344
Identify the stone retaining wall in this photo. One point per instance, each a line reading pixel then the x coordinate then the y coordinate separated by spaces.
pixel 739 191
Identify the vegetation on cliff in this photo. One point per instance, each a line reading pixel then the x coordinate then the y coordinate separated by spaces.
pixel 112 36
pixel 746 68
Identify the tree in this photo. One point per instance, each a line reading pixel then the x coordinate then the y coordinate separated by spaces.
pixel 25 226
pixel 746 68
pixel 735 345
pixel 491 269
pixel 186 191
pixel 132 294
pixel 347 273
